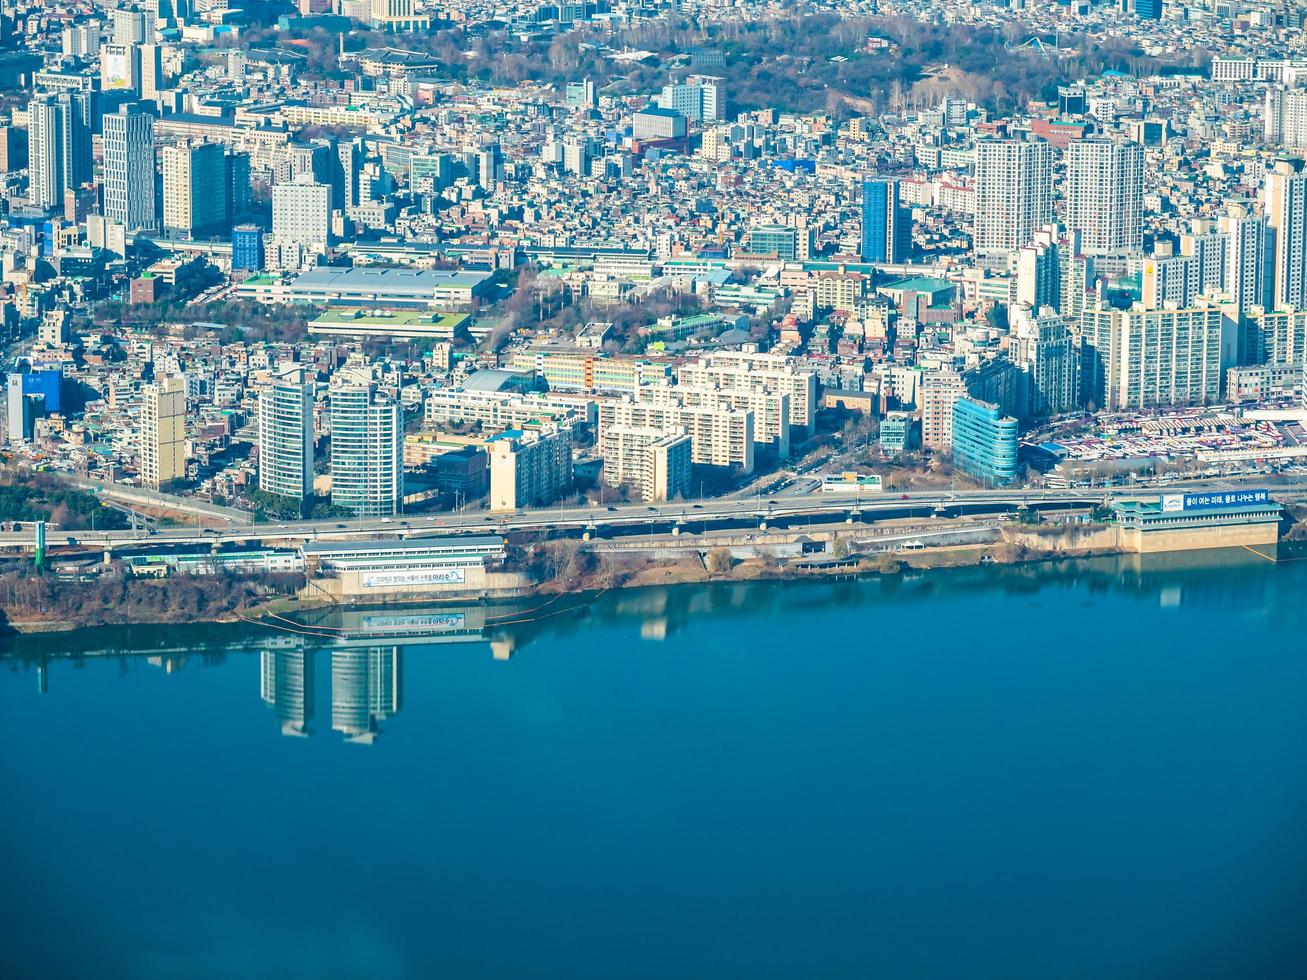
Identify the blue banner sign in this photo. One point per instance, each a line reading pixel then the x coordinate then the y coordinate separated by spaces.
pixel 1225 498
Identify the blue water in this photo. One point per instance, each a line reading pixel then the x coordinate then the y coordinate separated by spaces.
pixel 1086 770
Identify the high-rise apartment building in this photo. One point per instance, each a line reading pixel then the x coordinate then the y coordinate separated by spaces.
pixel 655 463
pixel 367 449
pixel 1043 348
pixel 1039 271
pixel 1285 117
pixel 719 437
pixel 940 390
pixel 1286 212
pixel 286 436
pixel 59 146
pixel 301 213
pixel 1014 193
pixel 1153 358
pixel 82 40
pixel 129 172
pixel 1105 195
pixel 163 432
pixel 195 188
pixel 1249 277
pixel 529 468
pixel 886 223
pixel 772 374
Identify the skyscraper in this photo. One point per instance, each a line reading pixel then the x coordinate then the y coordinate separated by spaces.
pixel 1250 247
pixel 886 224
pixel 1014 193
pixel 1286 212
pixel 367 449
pixel 150 57
pixel 1285 116
pixel 194 188
pixel 47 168
pixel 286 436
pixel 129 169
pixel 59 146
pixel 301 213
pixel 1042 346
pixel 1105 195
pixel 163 432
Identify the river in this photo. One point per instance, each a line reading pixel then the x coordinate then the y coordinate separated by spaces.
pixel 1082 769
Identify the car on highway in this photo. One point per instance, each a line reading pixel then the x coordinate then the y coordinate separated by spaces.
pixel 612 510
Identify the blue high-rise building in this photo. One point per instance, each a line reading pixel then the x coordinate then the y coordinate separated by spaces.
pixel 1149 9
pixel 247 248
pixel 46 382
pixel 886 224
pixel 984 442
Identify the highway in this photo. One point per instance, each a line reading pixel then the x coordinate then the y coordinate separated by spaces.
pixel 780 508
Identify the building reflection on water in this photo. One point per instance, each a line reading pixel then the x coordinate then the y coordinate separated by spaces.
pixel 366 688
pixel 366 647
pixel 286 682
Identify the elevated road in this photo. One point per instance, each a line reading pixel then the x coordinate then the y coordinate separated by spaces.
pixel 625 518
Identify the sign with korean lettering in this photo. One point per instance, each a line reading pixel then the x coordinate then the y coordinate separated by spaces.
pixel 1225 498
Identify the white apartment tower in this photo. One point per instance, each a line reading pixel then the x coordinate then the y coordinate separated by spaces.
pixel 286 436
pixel 1285 117
pixel 1014 193
pixel 1105 195
pixel 301 213
pixel 367 449
pixel 1286 212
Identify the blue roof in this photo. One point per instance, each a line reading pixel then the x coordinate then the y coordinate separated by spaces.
pixel 657 110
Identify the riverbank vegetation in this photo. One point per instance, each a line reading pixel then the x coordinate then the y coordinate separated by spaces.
pixel 116 598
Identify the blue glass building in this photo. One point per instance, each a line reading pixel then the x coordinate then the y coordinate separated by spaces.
pixel 984 442
pixel 247 248
pixel 46 382
pixel 1149 9
pixel 886 224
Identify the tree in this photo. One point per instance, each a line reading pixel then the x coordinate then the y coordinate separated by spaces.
pixel 718 561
